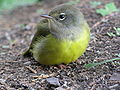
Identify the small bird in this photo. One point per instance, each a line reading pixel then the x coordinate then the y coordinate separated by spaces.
pixel 62 36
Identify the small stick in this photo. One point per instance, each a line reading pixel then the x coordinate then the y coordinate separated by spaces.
pixel 43 76
pixel 32 70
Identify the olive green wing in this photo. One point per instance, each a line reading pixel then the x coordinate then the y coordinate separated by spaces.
pixel 42 31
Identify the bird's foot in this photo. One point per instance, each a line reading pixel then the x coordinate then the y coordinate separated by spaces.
pixel 62 66
pixel 78 61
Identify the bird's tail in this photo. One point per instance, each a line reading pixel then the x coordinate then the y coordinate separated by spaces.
pixel 27 53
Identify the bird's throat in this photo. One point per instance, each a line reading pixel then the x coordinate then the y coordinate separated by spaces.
pixel 67 35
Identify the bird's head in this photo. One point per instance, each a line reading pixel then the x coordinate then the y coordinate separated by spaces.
pixel 65 21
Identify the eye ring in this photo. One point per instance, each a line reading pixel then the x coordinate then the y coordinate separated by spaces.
pixel 62 16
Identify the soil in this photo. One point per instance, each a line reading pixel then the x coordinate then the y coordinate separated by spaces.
pixel 17 72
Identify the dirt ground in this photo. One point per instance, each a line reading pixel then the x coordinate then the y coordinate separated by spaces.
pixel 16 72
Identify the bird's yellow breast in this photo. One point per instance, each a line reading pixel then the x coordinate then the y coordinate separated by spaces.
pixel 50 50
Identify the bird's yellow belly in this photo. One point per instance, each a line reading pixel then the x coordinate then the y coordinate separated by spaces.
pixel 51 51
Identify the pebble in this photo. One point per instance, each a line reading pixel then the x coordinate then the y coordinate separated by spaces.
pixel 59 88
pixel 115 77
pixel 27 63
pixel 2 81
pixel 53 81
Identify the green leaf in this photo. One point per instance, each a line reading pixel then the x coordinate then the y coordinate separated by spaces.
pixel 111 34
pixel 40 11
pixel 88 66
pixel 117 30
pixel 109 8
pixel 95 3
pixel 11 4
pixel 91 65
pixel 118 55
pixel 5 46
pixel 73 2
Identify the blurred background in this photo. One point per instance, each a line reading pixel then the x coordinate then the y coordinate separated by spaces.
pixel 26 10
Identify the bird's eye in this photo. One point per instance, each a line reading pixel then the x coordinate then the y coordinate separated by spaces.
pixel 62 16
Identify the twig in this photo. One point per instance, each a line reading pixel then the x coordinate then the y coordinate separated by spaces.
pixel 113 81
pixel 7 61
pixel 32 70
pixel 43 76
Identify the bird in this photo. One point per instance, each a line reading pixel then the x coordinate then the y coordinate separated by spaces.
pixel 62 36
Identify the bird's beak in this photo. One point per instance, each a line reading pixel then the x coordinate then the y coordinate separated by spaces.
pixel 46 16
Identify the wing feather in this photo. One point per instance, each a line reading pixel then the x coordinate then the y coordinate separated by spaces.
pixel 42 31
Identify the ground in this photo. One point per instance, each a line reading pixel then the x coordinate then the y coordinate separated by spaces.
pixel 17 72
